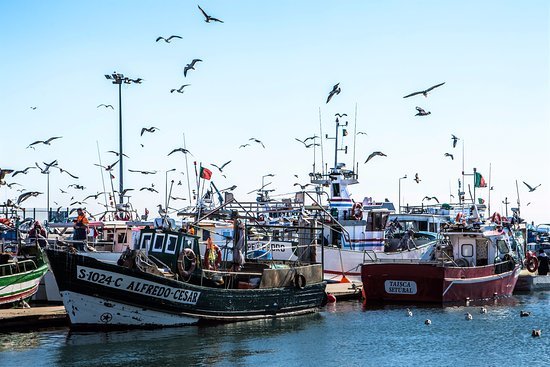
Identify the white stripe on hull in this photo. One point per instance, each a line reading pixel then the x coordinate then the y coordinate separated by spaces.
pixel 87 310
pixel 18 287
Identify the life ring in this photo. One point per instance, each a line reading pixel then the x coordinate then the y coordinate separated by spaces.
pixel 299 281
pixel 357 211
pixel 496 218
pixel 217 264
pixel 462 263
pixel 189 255
pixel 531 263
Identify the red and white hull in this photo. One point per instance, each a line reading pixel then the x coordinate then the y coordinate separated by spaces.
pixel 428 282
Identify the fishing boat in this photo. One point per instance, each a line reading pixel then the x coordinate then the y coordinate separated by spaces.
pixel 166 282
pixel 20 271
pixel 470 261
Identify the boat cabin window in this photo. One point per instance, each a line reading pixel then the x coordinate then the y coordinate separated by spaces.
pixel 159 240
pixel 121 238
pixel 502 247
pixel 205 234
pixel 467 250
pixel 171 243
pixel 145 241
pixel 377 221
pixel 336 190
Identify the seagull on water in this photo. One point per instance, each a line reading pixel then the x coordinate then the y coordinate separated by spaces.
pixel 190 66
pixel 335 90
pixel 409 312
pixel 524 313
pixel 167 40
pixel 208 18
pixel 483 309
pixel 428 322
pixel 424 92
pixel 468 316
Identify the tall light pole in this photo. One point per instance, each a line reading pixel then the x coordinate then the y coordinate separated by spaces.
pixel 401 178
pixel 119 79
pixel 264 176
pixel 166 189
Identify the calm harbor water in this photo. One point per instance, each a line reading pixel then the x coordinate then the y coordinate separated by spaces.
pixel 343 334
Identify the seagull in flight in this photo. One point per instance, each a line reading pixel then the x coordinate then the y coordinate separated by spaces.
pixel 45 142
pixel 430 198
pixel 106 106
pixel 143 172
pixel 421 112
pixel 23 171
pixel 208 18
pixel 109 167
pixel 13 184
pixel 361 133
pixel 27 195
pixel 244 146
pixel 335 90
pixel 374 154
pixel 117 153
pixel 61 170
pixel 416 178
pixel 424 92
pixel 77 187
pixel 222 166
pixel 180 90
pixel 152 129
pixel 151 189
pixel 190 66
pixel 47 166
pixel 167 40
pixel 183 150
pixel 449 155
pixel 531 189
pixel 257 141
pixel 340 115
pixel 33 108
pixel 455 139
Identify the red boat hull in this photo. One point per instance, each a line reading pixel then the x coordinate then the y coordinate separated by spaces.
pixel 428 282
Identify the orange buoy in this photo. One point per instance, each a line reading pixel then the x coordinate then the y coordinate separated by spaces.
pixel 331 298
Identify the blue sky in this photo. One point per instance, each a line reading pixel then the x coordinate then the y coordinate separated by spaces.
pixel 266 73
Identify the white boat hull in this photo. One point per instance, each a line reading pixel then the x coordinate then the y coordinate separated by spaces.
pixel 93 311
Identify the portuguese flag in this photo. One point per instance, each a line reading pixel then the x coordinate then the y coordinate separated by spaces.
pixel 479 181
pixel 206 173
pixel 481 201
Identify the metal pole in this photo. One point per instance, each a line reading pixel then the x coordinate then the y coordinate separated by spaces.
pixel 48 195
pixel 121 157
pixel 399 201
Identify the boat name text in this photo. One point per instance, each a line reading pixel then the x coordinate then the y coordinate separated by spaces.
pixel 136 285
pixel 400 286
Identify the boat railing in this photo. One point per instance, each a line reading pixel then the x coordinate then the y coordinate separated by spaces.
pixel 370 254
pixel 16 267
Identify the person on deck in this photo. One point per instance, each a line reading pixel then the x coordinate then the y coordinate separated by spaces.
pixel 80 226
pixel 543 262
pixel 212 255
pixel 38 234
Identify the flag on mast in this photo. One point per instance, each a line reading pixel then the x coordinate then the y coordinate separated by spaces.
pixel 479 181
pixel 205 173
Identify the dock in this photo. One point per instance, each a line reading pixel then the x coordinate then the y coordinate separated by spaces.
pixel 343 291
pixel 22 319
pixel 532 282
